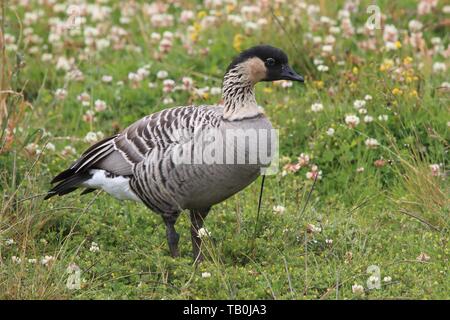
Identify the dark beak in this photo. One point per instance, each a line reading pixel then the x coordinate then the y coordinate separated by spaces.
pixel 288 74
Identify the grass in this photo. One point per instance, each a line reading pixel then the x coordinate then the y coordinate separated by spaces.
pixel 380 206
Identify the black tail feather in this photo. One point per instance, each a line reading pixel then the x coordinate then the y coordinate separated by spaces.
pixel 86 191
pixel 63 175
pixel 68 183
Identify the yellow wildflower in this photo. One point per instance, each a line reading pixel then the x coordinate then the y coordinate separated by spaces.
pixel 386 65
pixel 230 8
pixel 237 41
pixel 398 44
pixel 318 84
pixel 355 70
pixel 201 14
pixel 397 91
pixel 407 60
pixel 195 34
pixel 413 93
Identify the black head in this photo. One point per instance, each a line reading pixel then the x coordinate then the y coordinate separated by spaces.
pixel 274 62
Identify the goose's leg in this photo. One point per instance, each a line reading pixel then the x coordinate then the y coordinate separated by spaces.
pixel 197 218
pixel 172 236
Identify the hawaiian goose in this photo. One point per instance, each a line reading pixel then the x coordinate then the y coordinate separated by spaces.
pixel 152 160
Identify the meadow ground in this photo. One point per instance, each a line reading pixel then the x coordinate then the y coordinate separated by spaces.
pixel 358 210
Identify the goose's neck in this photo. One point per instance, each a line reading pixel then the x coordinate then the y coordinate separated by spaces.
pixel 238 95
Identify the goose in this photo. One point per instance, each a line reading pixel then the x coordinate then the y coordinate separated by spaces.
pixel 152 160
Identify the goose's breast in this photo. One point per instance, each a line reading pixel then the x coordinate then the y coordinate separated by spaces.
pixel 229 160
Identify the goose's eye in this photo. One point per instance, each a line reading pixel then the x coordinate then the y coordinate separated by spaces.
pixel 270 61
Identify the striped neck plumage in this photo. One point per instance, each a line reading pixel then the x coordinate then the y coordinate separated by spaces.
pixel 238 95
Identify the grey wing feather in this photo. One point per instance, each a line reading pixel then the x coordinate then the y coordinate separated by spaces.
pixel 158 130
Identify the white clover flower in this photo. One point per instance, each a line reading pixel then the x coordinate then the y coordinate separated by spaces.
pixel 206 275
pixel 286 84
pixel 94 247
pixel 60 94
pixel 357 289
pixel 84 98
pixel 352 121
pixel 390 46
pixel 167 100
pixel 32 261
pixel 334 30
pixel 155 37
pixel 143 72
pixel 16 260
pixel 46 57
pixel 368 119
pixel 367 97
pixel 317 61
pixel 50 146
pixel 322 68
pixel 33 149
pixel 362 111
pixel 134 77
pixel 330 132
pixel 435 170
pixel 358 104
pixel 387 279
pixel 216 91
pixel 316 107
pixel 313 229
pixel 186 15
pixel 64 64
pixel 89 116
pixel 279 209
pixel 328 48
pixel 9 242
pixel 47 260
pixel 91 137
pixel 372 143
pixel 162 74
pixel 390 33
pixel 188 83
pixel 107 79
pixel 203 233
pixel 329 241
pixel 102 44
pixel 313 175
pixel 303 159
pixel 439 67
pixel 168 85
pixel 415 26
pixel 383 117
pixel 68 150
pixel 100 105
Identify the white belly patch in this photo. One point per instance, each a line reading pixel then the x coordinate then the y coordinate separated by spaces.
pixel 116 186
